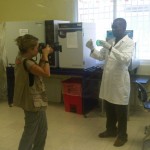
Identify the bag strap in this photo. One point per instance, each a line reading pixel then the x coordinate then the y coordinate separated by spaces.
pixel 31 76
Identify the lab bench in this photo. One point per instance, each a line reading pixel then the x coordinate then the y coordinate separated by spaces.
pixel 91 79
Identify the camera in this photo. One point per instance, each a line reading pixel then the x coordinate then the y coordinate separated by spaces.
pixel 55 46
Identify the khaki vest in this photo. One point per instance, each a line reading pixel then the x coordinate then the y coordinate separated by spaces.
pixel 28 97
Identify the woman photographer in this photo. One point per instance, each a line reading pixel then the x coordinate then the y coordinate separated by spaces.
pixel 29 91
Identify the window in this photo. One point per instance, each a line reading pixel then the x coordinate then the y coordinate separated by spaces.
pixel 136 12
pixel 97 11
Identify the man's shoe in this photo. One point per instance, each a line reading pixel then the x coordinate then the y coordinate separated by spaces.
pixel 120 142
pixel 107 134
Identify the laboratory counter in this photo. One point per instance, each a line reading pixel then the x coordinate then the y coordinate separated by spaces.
pixel 91 79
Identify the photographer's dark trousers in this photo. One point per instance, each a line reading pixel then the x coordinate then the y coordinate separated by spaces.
pixel 116 119
pixel 35 131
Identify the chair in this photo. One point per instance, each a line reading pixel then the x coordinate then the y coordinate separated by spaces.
pixel 143 97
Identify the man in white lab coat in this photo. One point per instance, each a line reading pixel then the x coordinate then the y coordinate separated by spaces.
pixel 115 85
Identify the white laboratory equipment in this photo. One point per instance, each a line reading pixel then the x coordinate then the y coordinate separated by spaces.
pixel 51 38
pixel 73 37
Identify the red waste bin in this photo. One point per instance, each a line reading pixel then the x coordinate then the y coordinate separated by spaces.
pixel 72 94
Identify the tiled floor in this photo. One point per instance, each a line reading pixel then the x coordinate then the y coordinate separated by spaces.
pixel 70 131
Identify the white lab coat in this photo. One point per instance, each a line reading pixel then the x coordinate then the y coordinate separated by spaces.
pixel 115 85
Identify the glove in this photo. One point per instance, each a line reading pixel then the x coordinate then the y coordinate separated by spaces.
pixel 90 45
pixel 105 44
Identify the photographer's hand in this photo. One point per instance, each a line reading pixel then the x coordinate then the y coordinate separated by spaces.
pixel 44 62
pixel 47 50
pixel 43 69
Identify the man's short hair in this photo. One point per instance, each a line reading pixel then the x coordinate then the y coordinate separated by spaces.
pixel 122 22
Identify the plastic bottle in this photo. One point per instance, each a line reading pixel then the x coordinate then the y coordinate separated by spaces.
pixel 98 43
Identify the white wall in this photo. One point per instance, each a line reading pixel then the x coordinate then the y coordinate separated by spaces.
pixel 36 28
pixel 144 69
pixel 23 10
